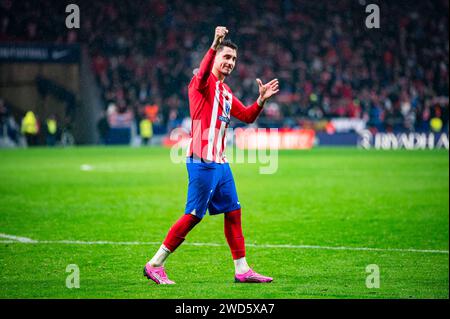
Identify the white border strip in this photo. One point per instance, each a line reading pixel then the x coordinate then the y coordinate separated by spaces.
pixel 212 125
pixel 25 240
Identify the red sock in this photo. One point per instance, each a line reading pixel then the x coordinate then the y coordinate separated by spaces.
pixel 233 233
pixel 179 230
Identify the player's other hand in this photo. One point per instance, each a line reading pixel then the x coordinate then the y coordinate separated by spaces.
pixel 266 91
pixel 220 34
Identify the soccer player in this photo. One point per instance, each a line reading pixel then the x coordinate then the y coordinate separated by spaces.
pixel 211 183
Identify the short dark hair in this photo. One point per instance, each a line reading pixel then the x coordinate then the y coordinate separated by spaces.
pixel 227 43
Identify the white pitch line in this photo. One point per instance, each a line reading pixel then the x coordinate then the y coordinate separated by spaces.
pixel 410 250
pixel 17 239
pixel 25 240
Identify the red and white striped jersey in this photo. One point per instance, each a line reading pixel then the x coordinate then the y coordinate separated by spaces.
pixel 211 103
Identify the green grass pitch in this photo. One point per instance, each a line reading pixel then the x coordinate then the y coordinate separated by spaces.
pixel 326 197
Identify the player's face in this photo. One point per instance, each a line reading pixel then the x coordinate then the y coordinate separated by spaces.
pixel 225 60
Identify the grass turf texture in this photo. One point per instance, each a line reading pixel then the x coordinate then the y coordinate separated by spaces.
pixel 326 197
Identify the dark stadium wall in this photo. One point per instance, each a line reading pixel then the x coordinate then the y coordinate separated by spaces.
pixel 89 110
pixel 19 87
pixel 40 87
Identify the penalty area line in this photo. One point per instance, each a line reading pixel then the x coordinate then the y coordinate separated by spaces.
pixel 10 239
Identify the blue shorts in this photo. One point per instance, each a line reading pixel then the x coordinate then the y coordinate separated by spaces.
pixel 211 186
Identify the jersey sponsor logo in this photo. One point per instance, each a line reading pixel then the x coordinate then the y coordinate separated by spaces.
pixel 224 119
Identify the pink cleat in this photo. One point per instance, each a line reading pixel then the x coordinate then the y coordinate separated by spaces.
pixel 157 274
pixel 251 276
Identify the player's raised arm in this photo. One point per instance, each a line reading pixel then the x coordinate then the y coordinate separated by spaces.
pixel 208 60
pixel 249 114
pixel 220 34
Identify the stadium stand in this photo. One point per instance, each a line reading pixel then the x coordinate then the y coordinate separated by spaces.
pixel 329 64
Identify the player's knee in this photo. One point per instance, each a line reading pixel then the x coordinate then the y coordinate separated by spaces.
pixel 233 216
pixel 195 217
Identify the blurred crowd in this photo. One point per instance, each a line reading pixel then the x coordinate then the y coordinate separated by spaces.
pixel 328 62
pixel 30 130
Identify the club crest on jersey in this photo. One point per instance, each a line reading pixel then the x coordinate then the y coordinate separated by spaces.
pixel 225 117
pixel 227 108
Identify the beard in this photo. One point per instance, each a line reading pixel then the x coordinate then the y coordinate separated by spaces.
pixel 226 71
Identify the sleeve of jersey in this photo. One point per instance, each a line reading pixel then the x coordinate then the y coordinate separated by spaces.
pixel 205 69
pixel 243 113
